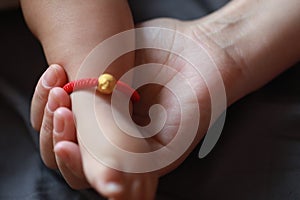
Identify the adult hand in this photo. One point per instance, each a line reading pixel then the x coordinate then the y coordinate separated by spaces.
pixel 226 35
pixel 80 168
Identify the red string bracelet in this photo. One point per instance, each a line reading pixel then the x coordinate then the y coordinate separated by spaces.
pixel 105 85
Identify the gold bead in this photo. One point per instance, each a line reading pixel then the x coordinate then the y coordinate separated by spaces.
pixel 106 83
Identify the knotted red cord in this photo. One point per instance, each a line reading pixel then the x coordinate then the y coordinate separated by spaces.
pixel 93 82
pixel 80 84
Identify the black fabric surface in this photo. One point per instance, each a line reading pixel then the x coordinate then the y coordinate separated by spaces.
pixel 257 156
pixel 179 9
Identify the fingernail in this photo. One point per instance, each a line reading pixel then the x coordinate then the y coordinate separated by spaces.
pixel 49 77
pixel 51 105
pixel 59 123
pixel 112 187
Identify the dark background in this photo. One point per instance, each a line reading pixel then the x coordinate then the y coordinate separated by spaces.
pixel 257 156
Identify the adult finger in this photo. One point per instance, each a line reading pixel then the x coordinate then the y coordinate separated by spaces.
pixel 144 186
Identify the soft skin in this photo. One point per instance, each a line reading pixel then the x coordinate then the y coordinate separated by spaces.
pixel 250 41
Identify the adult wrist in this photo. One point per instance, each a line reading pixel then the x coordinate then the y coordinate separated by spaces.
pixel 257 41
